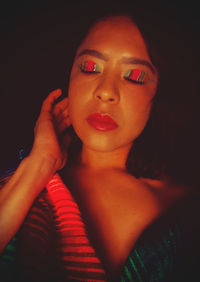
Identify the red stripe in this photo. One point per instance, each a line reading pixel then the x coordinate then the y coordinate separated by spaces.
pixel 81 259
pixel 77 255
pixel 89 269
pixel 90 66
pixel 78 249
pixel 78 240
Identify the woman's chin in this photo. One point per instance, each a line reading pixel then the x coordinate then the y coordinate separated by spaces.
pixel 100 147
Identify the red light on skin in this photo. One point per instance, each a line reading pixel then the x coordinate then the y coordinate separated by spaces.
pixel 101 122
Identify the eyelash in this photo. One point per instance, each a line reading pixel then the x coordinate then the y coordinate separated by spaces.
pixel 135 75
pixel 89 67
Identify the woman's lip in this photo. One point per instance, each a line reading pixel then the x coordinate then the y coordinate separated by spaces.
pixel 102 122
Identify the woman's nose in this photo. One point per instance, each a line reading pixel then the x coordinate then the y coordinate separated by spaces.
pixel 107 92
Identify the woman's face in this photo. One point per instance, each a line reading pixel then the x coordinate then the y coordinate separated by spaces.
pixel 112 85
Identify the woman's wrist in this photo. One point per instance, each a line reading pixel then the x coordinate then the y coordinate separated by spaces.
pixel 33 174
pixel 46 163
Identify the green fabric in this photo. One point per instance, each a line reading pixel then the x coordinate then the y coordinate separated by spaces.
pixel 153 260
pixel 7 262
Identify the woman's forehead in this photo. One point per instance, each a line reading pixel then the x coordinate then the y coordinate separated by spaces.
pixel 117 32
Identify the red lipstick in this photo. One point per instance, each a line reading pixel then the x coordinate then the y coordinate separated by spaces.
pixel 102 122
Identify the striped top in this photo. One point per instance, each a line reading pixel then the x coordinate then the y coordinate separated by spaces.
pixel 54 236
pixel 57 229
pixel 75 251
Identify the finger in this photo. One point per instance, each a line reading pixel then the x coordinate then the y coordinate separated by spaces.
pixel 61 115
pixel 51 98
pixel 60 107
pixel 63 104
pixel 63 125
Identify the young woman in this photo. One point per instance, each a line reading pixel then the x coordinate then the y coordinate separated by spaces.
pixel 95 220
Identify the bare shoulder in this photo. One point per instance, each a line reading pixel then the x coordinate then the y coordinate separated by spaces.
pixel 166 188
pixel 119 207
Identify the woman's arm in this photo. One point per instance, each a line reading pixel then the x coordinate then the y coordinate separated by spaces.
pixel 19 193
pixel 47 156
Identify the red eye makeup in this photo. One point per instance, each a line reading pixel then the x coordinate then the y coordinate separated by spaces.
pixel 137 76
pixel 89 67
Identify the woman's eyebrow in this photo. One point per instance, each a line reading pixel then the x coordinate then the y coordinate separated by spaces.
pixel 93 53
pixel 138 61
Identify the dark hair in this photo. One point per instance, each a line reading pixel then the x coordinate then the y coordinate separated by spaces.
pixel 160 149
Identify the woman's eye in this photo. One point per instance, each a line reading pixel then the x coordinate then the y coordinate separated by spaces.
pixel 89 67
pixel 136 76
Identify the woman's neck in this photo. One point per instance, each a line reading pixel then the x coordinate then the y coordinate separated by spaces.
pixel 100 160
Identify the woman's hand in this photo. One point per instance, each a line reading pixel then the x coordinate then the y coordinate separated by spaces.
pixel 51 141
pixel 48 155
